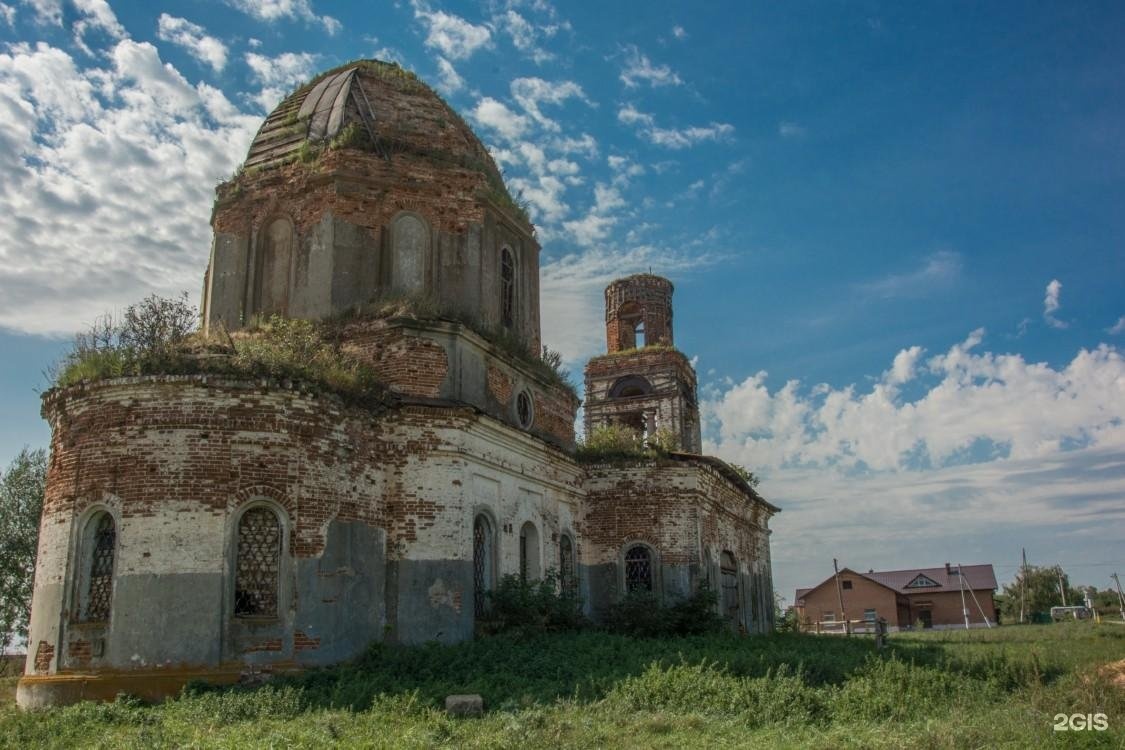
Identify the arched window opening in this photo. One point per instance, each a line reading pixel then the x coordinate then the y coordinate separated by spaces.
pixel 102 541
pixel 630 386
pixel 257 564
pixel 638 569
pixel 529 552
pixel 482 563
pixel 507 288
pixel 728 575
pixel 568 572
pixel 630 323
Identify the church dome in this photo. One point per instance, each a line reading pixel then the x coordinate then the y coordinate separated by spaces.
pixel 373 106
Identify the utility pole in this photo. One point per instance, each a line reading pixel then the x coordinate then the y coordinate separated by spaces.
pixel 1062 586
pixel 987 623
pixel 1121 597
pixel 964 608
pixel 840 596
pixel 1023 583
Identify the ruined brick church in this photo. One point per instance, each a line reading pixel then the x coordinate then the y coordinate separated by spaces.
pixel 205 527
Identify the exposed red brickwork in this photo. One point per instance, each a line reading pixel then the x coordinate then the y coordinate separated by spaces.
pixel 499 385
pixel 80 652
pixel 641 298
pixel 44 653
pixel 406 362
pixel 303 642
pixel 672 505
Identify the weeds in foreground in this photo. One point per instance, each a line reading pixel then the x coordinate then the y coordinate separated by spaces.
pixel 997 688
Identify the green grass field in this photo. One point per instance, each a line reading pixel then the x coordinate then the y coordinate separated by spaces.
pixel 999 688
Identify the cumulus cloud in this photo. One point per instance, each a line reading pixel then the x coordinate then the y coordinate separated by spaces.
pixel 194 38
pixel 46 12
pixel 106 181
pixel 1118 327
pixel 679 32
pixel 976 406
pixel 285 10
pixel 449 80
pixel 279 75
pixel 530 93
pixel 639 69
pixel 452 36
pixel 673 138
pixel 8 14
pixel 498 117
pixel 527 36
pixel 95 15
pixel 1051 304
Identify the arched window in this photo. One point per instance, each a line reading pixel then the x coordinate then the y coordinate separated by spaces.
pixel 568 571
pixel 483 555
pixel 728 581
pixel 410 239
pixel 257 563
pixel 100 543
pixel 630 323
pixel 529 552
pixel 638 569
pixel 507 288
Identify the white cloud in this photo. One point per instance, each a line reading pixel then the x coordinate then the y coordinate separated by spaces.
pixel 95 15
pixel 195 39
pixel 791 130
pixel 976 406
pixel 279 75
pixel 584 144
pixel 679 32
pixel 526 36
pixel 673 138
pixel 639 69
pixel 496 116
pixel 573 285
pixel 1118 327
pixel 449 80
pixel 1051 304
pixel 106 181
pixel 529 93
pixel 285 10
pixel 8 14
pixel 47 12
pixel 938 270
pixel 452 36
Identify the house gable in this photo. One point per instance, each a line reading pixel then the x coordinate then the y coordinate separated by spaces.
pixel 922 581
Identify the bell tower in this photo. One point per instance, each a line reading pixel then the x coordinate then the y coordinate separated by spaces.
pixel 643 382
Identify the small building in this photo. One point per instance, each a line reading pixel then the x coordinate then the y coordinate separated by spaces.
pixel 931 597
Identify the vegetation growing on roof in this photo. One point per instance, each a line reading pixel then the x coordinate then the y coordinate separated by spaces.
pixel 158 336
pixel 616 443
pixel 392 304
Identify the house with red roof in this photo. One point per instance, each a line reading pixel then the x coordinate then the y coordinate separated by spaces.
pixel 924 597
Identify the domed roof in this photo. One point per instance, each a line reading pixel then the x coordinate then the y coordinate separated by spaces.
pixel 373 106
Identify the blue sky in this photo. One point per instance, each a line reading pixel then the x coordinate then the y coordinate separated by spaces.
pixel 895 231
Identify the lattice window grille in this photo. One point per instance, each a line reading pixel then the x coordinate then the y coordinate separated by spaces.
pixel 100 593
pixel 638 569
pixel 258 562
pixel 568 580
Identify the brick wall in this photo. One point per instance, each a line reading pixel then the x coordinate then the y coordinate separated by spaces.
pixel 652 296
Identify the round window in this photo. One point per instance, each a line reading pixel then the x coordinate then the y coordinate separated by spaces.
pixel 524 411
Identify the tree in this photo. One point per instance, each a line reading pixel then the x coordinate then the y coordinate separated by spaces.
pixel 21 503
pixel 1041 591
